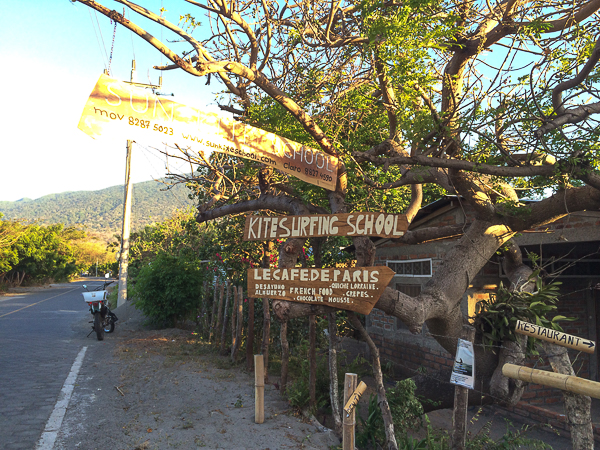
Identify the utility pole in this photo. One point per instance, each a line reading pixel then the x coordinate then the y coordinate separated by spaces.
pixel 124 259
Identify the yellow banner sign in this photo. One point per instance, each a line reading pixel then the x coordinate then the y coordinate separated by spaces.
pixel 120 109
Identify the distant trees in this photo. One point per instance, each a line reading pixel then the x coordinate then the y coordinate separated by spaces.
pixel 37 253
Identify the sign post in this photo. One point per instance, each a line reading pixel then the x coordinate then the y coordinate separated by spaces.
pixel 356 289
pixel 259 389
pixel 556 337
pixel 568 383
pixel 461 393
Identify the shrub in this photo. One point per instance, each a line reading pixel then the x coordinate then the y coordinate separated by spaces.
pixel 169 288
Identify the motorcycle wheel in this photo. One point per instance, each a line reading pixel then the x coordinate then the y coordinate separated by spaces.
pixel 109 324
pixel 98 326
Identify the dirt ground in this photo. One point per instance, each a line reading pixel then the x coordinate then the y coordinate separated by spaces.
pixel 144 389
pixel 159 389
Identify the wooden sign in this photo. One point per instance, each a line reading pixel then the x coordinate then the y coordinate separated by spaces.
pixel 355 397
pixel 260 228
pixel 568 383
pixel 356 289
pixel 556 337
pixel 121 110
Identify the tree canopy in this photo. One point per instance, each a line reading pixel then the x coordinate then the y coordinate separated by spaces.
pixel 492 101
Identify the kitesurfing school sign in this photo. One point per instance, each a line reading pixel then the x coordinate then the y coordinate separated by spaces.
pixel 123 110
pixel 260 228
pixel 355 289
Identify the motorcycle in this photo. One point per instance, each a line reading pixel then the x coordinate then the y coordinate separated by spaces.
pixel 104 318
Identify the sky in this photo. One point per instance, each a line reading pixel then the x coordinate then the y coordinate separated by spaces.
pixel 52 55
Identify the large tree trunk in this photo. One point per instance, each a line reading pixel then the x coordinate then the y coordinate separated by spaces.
pixel 577 407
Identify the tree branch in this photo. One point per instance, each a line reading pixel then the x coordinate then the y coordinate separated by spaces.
pixel 458 164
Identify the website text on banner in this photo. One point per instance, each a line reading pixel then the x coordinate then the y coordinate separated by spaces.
pixel 122 110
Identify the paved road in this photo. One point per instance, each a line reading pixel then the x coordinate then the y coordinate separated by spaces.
pixel 38 345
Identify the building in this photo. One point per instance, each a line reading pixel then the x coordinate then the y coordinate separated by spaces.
pixel 569 247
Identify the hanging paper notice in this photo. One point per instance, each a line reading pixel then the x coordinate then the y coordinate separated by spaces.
pixel 463 371
pixel 125 111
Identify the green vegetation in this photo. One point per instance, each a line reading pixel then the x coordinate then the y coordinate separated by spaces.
pixel 496 319
pixel 38 254
pixel 408 418
pixel 170 287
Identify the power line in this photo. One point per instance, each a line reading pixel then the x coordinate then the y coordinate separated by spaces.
pixel 96 34
pixel 101 36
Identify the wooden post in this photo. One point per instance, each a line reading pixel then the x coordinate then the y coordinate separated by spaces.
pixel 259 390
pixel 124 258
pixel 224 331
pixel 285 357
pixel 349 421
pixel 213 318
pixel 266 337
pixel 461 401
pixel 250 338
pixel 240 320
pixel 568 383
pixel 203 313
pixel 219 312
pixel 234 323
pixel 312 360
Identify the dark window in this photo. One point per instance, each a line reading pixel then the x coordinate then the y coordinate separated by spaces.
pixel 411 268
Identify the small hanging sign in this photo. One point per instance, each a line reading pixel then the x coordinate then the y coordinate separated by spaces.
pixel 354 398
pixel 463 371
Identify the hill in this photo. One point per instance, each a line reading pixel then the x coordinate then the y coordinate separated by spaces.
pixel 101 211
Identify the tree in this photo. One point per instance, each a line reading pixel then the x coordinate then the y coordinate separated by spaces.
pixel 487 100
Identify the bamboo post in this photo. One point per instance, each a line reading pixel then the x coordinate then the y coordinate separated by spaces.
pixel 349 421
pixel 259 391
pixel 461 401
pixel 568 383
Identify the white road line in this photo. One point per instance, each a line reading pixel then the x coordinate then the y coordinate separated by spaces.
pixel 48 437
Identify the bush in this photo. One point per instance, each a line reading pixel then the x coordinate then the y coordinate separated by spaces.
pixel 169 289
